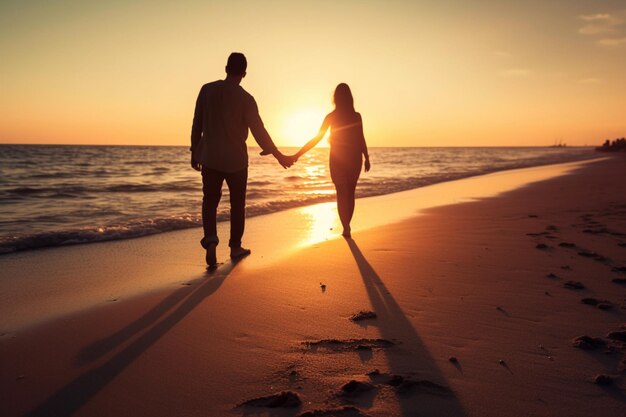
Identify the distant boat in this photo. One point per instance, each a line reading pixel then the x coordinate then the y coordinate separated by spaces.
pixel 559 144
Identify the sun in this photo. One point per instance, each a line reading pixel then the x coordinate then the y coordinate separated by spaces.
pixel 301 125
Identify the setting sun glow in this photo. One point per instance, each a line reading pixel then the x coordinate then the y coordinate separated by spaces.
pixel 301 125
pixel 423 73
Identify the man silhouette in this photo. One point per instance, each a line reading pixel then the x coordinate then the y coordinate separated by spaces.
pixel 224 113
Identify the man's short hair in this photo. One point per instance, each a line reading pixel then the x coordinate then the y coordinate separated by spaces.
pixel 236 64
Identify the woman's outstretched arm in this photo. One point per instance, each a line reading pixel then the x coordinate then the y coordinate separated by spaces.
pixel 310 144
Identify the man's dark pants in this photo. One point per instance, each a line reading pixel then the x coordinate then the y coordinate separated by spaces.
pixel 212 181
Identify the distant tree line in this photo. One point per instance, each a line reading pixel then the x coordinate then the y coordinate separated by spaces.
pixel 615 145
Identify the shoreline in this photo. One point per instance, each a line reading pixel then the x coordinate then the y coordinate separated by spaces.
pixel 124 228
pixel 460 276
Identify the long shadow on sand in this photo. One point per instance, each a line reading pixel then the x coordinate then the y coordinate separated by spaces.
pixel 101 347
pixel 394 324
pixel 67 400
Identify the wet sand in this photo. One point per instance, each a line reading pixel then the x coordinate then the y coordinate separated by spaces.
pixel 473 286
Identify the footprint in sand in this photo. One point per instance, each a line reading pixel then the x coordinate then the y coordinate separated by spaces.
pixel 336 345
pixel 574 285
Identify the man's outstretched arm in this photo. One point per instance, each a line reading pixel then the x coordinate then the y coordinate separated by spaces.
pixel 263 138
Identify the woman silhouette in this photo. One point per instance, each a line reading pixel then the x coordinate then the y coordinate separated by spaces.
pixel 347 149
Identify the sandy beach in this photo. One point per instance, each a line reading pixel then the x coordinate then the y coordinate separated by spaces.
pixel 479 289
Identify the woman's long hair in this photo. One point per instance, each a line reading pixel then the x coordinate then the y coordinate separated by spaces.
pixel 344 103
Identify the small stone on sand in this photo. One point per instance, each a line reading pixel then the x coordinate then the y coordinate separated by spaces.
pixel 552 275
pixel 590 301
pixel 605 306
pixel 541 246
pixel 619 280
pixel 453 359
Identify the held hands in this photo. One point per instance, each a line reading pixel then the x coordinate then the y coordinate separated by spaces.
pixel 285 160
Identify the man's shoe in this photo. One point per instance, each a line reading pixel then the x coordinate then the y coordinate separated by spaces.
pixel 239 252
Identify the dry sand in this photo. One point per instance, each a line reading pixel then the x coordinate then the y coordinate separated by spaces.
pixel 469 320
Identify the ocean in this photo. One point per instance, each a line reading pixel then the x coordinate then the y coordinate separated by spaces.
pixel 53 195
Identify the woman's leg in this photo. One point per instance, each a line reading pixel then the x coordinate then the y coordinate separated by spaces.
pixel 345 205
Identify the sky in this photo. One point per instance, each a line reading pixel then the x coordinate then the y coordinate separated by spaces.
pixel 423 73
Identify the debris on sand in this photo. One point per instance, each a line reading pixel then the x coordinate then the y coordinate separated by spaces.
pixel 574 285
pixel 336 345
pixel 593 255
pixel 588 343
pixel 363 315
pixel 601 304
pixel 453 359
pixel 567 245
pixel 334 412
pixel 405 385
pixel 354 388
pixel 603 380
pixel 617 335
pixel 552 275
pixel 285 399
pixel 541 246
pixel 323 287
